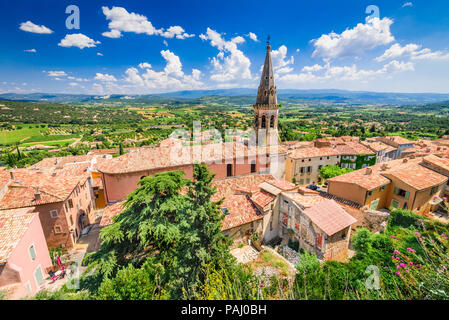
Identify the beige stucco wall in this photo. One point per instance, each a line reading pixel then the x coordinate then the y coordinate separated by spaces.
pixel 292 168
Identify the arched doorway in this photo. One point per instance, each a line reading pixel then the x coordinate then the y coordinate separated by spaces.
pixel 272 122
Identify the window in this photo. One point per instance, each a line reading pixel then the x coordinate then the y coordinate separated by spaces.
pixel 264 121
pixel 70 203
pixel 253 166
pixel 272 122
pixel 374 204
pixel 309 169
pixel 369 194
pixel 301 169
pixel 32 251
pixel 271 225
pixel 54 213
pixel 307 181
pixel 57 229
pixel 321 158
pixel 71 220
pixel 433 190
pixel 402 193
pixel 328 158
pixel 66 206
pixel 383 188
pixel 302 160
pixel 395 203
pixel 38 276
pixel 301 182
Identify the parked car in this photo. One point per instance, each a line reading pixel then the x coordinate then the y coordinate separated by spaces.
pixel 313 187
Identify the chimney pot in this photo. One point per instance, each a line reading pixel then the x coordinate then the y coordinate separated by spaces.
pixel 368 170
pixel 11 173
pixel 37 195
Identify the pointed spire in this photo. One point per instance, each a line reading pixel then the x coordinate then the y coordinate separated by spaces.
pixel 266 94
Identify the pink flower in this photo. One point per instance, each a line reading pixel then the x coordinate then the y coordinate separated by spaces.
pixel 410 263
pixel 417 234
pixel 397 258
pixel 403 265
pixel 397 273
pixel 411 250
pixel 392 237
pixel 398 267
pixel 262 285
pixel 396 252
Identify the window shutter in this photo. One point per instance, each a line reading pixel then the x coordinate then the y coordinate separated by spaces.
pixel 407 195
pixel 396 190
pixel 32 253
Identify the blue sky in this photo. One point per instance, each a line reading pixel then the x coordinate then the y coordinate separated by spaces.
pixel 158 46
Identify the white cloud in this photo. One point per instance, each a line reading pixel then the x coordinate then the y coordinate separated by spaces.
pixel 73 84
pixel 123 21
pixel 253 37
pixel 99 54
pixel 30 50
pixel 105 77
pixel 355 41
pixel 56 73
pixel 34 28
pixel 171 78
pixel 327 72
pixel 238 40
pixel 78 40
pixel 407 4
pixel 230 63
pixel 165 42
pixel 280 60
pixel 177 32
pixel 413 51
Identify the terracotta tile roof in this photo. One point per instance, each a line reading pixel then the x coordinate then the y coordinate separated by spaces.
pixel 248 184
pixel 353 148
pixel 305 200
pixel 312 152
pixel 364 180
pixel 262 198
pixel 410 172
pixel 396 140
pixel 110 212
pixel 375 146
pixel 241 211
pixel 4 177
pixel 329 217
pixel 21 192
pixel 13 225
pixel 164 157
pixel 283 185
pixel 61 161
pixel 415 175
pixel 442 163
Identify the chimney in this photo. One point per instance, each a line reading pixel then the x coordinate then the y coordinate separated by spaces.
pixel 11 173
pixel 405 160
pixel 368 171
pixel 385 167
pixel 37 195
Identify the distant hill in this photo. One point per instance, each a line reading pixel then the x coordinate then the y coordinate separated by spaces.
pixel 330 96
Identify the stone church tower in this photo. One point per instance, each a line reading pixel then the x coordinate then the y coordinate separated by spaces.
pixel 266 109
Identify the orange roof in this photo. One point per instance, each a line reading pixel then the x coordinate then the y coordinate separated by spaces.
pixel 283 185
pixel 353 148
pixel 61 161
pixel 247 184
pixel 165 157
pixel 397 140
pixel 415 175
pixel 442 163
pixel 262 198
pixel 13 225
pixel 375 146
pixel 329 217
pixel 240 211
pixel 410 172
pixel 110 212
pixel 312 152
pixel 305 200
pixel 21 192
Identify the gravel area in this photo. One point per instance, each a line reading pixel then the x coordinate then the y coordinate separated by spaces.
pixel 245 254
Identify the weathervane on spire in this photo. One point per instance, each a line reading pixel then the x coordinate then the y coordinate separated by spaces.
pixel 268 39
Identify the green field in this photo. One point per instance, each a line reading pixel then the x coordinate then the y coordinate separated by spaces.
pixel 27 134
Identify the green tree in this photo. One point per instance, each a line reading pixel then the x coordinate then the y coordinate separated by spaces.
pixel 328 172
pixel 180 231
